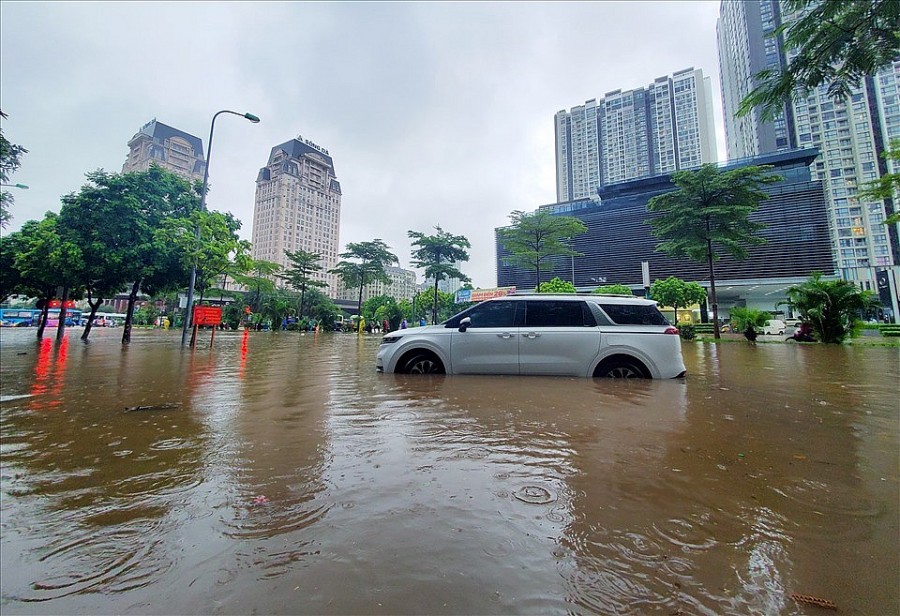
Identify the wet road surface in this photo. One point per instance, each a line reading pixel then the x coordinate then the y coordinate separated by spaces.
pixel 278 473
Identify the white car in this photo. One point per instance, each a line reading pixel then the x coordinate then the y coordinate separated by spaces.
pixel 774 327
pixel 575 335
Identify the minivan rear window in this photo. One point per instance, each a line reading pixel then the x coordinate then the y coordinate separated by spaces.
pixel 631 314
pixel 548 313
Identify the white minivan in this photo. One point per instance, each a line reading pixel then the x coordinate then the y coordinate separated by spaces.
pixel 774 327
pixel 571 335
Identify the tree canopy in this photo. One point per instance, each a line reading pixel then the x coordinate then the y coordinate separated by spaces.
pixel 557 285
pixel 438 255
pixel 10 161
pixel 710 212
pixel 887 186
pixel 369 260
pixel 837 43
pixel 677 293
pixel 613 289
pixel 300 273
pixel 534 239
pixel 830 306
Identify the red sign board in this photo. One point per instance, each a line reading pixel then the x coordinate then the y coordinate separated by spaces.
pixel 207 315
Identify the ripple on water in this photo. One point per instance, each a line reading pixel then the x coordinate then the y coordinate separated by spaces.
pixel 93 557
pixel 535 495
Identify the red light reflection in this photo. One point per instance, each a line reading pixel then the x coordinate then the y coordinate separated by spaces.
pixel 49 374
pixel 243 362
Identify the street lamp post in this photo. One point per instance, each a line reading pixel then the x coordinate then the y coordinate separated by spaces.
pixel 22 186
pixel 189 309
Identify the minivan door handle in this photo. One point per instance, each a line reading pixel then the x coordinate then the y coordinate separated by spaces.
pixel 531 335
pixel 504 335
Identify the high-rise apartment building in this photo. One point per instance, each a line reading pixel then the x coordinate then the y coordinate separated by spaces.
pixel 402 286
pixel 665 127
pixel 170 148
pixel 850 134
pixel 298 207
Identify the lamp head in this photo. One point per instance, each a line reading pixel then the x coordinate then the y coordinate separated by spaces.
pixel 251 117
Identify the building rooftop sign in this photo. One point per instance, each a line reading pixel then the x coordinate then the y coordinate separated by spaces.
pixel 312 145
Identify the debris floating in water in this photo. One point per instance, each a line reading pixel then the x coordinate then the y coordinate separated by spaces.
pixel 153 407
pixel 809 599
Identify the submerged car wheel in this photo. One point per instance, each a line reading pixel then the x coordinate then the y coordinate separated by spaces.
pixel 620 368
pixel 423 363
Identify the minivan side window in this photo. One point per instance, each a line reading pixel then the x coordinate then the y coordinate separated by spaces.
pixel 631 314
pixel 488 314
pixel 558 314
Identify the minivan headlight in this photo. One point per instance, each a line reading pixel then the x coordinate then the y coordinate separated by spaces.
pixel 390 340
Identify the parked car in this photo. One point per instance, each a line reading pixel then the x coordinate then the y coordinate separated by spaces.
pixel 773 327
pixel 574 335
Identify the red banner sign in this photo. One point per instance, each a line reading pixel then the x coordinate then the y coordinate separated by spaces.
pixel 207 315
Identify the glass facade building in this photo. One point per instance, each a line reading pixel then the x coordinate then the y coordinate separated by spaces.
pixel 850 134
pixel 619 238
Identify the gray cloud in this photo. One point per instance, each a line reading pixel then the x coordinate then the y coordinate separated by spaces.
pixel 434 113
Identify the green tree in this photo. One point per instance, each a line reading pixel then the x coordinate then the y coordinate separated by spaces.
pixel 533 240
pixel 300 273
pixel 257 277
pixel 614 289
pixel 46 261
pixel 99 221
pixel 677 293
pixel 11 282
pixel 146 315
pixel 368 265
pixel 710 209
pixel 838 43
pixel 322 309
pixel 377 309
pixel 749 321
pixel 887 186
pixel 10 161
pixel 206 239
pixel 141 203
pixel 830 306
pixel 438 254
pixel 424 300
pixel 557 285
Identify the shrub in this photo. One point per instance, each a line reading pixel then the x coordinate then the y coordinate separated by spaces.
pixel 686 331
pixel 747 321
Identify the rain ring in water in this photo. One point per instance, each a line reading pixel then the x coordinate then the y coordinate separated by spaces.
pixel 535 495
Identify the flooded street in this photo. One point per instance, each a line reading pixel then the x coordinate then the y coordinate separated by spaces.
pixel 279 473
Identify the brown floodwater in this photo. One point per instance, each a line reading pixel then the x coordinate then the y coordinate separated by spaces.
pixel 279 473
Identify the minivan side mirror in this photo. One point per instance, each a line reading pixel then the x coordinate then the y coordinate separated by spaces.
pixel 465 323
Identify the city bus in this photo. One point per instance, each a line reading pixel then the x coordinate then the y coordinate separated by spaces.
pixel 29 317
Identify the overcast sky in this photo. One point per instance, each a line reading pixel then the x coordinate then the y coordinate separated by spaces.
pixel 434 113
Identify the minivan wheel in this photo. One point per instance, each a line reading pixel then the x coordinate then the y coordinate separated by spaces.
pixel 620 369
pixel 423 363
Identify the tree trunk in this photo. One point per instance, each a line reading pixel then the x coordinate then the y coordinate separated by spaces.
pixel 129 314
pixel 712 286
pixel 61 326
pixel 90 322
pixel 359 303
pixel 537 275
pixel 434 303
pixel 42 321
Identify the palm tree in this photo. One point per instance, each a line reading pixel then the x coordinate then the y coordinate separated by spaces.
pixel 369 261
pixel 830 306
pixel 438 254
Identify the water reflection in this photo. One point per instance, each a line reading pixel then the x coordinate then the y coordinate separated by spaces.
pixel 277 472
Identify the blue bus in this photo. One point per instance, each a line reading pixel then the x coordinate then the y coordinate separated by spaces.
pixel 29 317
